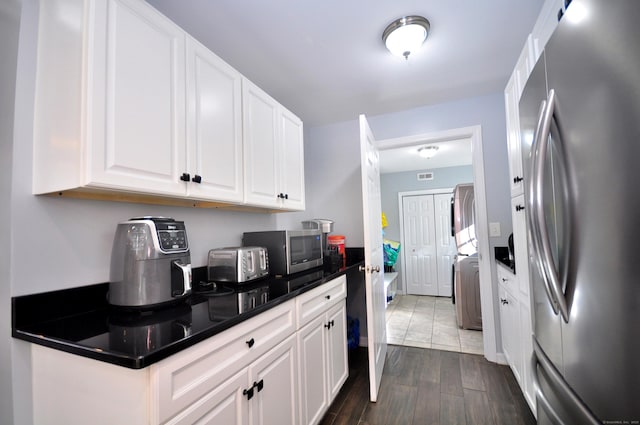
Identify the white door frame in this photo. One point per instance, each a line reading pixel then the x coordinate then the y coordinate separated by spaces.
pixel 482 229
pixel 403 287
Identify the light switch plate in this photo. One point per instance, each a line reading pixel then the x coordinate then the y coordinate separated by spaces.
pixel 494 230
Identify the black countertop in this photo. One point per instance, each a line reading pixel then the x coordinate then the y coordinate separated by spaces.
pixel 80 321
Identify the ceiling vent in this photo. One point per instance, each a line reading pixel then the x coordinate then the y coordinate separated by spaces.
pixel 425 176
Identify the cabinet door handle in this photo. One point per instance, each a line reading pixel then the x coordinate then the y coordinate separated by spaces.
pixel 517 179
pixel 328 297
pixel 519 207
pixel 259 385
pixel 286 196
pixel 505 279
pixel 281 195
pixel 332 324
pixel 185 177
pixel 328 325
pixel 197 179
pixel 251 342
pixel 504 301
pixel 248 392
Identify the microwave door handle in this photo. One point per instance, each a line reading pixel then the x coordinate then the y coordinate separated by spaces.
pixel 545 243
pixel 532 229
pixel 263 260
pixel 251 261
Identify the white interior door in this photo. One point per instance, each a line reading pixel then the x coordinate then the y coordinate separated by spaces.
pixel 374 282
pixel 421 272
pixel 445 243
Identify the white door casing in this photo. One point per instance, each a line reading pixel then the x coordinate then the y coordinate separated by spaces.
pixel 487 290
pixel 374 281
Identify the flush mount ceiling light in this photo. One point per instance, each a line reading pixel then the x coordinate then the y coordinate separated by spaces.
pixel 405 35
pixel 427 151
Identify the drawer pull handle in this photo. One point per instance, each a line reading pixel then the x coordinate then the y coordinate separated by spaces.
pixel 248 392
pixel 328 297
pixel 251 342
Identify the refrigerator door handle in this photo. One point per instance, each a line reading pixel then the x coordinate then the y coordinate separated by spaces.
pixel 548 262
pixel 559 384
pixel 530 212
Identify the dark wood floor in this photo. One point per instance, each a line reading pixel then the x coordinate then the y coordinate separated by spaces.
pixel 430 387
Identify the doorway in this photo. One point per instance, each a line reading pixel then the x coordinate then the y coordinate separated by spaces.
pixel 474 134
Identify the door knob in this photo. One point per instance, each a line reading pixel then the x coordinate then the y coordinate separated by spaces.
pixel 375 269
pixel 363 269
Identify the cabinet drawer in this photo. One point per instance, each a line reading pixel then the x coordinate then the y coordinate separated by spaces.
pixel 185 377
pixel 318 300
pixel 506 278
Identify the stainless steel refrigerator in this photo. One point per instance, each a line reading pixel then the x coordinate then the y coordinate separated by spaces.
pixel 580 130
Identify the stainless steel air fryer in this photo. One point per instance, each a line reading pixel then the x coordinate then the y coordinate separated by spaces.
pixel 150 263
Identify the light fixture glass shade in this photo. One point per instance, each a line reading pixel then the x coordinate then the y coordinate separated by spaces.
pixel 404 36
pixel 427 151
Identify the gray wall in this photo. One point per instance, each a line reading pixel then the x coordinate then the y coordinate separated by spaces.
pixel 393 183
pixel 9 31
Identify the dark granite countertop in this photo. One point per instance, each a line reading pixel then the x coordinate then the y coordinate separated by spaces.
pixel 80 321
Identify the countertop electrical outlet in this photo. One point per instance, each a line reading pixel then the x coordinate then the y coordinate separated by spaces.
pixel 494 230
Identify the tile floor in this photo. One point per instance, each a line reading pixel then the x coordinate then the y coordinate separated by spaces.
pixel 429 322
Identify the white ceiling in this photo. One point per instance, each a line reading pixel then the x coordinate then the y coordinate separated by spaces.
pixel 325 60
pixel 450 154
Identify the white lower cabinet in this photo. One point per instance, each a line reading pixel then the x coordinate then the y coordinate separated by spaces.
pixel 516 328
pixel 263 393
pixel 282 367
pixel 322 346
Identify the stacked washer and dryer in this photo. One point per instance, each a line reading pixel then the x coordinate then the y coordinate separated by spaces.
pixel 466 285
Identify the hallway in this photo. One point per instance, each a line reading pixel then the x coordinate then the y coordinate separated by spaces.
pixel 429 322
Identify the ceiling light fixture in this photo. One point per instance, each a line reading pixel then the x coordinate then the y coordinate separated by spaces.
pixel 405 35
pixel 427 151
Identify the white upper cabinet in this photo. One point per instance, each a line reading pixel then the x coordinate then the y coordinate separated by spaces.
pixel 512 98
pixel 273 152
pixel 128 103
pixel 110 98
pixel 214 126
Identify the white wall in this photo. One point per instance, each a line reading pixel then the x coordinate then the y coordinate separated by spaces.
pixel 9 30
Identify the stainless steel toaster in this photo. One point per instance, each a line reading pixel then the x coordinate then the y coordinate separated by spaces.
pixel 237 264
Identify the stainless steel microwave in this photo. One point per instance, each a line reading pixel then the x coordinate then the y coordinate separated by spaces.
pixel 289 251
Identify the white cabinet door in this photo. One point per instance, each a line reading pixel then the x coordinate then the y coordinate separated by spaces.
pixel 260 126
pixel 512 98
pixel 138 114
pixel 525 333
pixel 509 325
pixel 275 400
pixel 312 349
pixel 214 126
pixel 273 152
pixel 291 161
pixel 226 404
pixel 337 348
pixel 520 246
